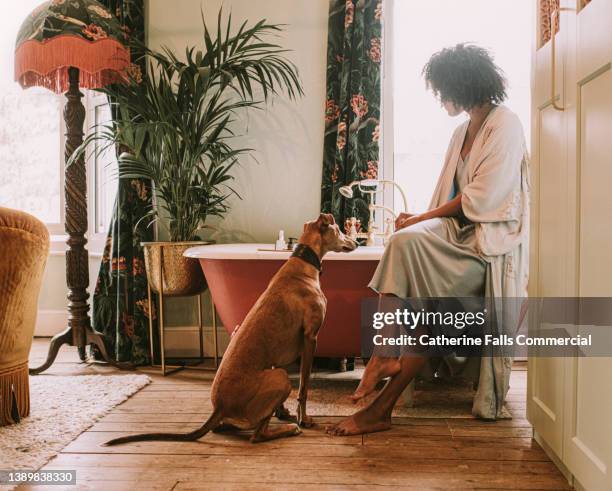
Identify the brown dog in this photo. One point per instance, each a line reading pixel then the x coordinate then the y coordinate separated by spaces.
pixel 282 326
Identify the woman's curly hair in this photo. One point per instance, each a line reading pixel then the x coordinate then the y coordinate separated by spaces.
pixel 466 76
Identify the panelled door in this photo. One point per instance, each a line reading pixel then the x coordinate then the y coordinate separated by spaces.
pixel 549 266
pixel 588 85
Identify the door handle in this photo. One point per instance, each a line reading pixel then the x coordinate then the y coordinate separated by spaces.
pixel 554 18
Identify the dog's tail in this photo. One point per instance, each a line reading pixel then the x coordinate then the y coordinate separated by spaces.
pixel 211 423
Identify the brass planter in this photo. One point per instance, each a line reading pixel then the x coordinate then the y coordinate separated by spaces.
pixel 182 276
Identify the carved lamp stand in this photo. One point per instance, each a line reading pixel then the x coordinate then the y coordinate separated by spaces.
pixel 63 47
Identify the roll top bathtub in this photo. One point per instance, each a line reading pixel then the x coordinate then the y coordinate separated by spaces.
pixel 238 273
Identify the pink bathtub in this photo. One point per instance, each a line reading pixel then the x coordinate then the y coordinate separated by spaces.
pixel 238 273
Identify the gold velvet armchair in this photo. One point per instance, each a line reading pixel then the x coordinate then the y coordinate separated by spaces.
pixel 24 246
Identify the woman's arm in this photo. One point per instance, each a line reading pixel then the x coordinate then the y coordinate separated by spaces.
pixel 451 208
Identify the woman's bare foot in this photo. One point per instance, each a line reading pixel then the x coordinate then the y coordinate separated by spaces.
pixel 377 369
pixel 364 421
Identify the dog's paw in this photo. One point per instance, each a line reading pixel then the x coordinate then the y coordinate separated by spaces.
pixel 283 414
pixel 306 422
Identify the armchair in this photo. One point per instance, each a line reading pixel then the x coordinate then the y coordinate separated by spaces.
pixel 24 246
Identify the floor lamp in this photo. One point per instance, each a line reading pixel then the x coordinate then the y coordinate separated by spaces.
pixel 64 46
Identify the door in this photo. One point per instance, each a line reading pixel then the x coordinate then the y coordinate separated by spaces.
pixel 550 230
pixel 588 408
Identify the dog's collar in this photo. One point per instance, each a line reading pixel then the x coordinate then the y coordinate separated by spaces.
pixel 306 253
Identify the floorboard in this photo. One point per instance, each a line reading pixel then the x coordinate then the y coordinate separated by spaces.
pixel 418 453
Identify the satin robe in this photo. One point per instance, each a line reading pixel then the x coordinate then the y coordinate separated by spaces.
pixel 496 199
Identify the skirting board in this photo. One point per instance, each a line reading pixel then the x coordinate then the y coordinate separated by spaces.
pixel 180 340
pixel 184 341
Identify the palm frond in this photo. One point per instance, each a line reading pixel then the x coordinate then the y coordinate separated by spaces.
pixel 175 127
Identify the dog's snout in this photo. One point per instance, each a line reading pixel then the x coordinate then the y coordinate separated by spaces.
pixel 349 244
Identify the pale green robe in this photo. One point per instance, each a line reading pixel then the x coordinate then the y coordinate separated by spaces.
pixel 448 257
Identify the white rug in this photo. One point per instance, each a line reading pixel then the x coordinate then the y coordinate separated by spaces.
pixel 61 408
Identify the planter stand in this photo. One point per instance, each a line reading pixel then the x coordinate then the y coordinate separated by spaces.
pixel 167 368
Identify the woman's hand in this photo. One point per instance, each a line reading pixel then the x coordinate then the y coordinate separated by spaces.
pixel 451 208
pixel 405 220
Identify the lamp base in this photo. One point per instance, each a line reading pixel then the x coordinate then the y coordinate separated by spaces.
pixel 65 337
pixel 79 332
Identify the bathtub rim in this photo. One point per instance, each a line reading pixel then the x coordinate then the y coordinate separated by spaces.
pixel 251 251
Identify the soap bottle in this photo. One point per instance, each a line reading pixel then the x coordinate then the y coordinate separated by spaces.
pixel 281 245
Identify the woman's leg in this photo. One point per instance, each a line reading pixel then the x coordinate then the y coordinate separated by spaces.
pixel 392 275
pixel 395 272
pixel 377 416
pixel 379 367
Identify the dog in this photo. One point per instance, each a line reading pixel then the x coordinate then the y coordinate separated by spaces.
pixel 250 385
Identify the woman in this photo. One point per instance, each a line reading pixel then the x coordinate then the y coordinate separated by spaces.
pixel 473 240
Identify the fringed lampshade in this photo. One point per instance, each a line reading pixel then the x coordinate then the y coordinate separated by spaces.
pixel 63 45
pixel 60 34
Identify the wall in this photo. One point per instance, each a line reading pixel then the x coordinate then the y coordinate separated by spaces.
pixel 282 191
pixel 281 188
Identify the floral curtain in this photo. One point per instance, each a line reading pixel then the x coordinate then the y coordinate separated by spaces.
pixel 352 108
pixel 547 7
pixel 120 306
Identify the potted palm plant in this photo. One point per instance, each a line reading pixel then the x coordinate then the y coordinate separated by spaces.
pixel 174 128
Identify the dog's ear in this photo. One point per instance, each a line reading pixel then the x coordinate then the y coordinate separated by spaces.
pixel 325 220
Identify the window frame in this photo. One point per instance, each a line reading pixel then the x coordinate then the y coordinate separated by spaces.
pixel 387 160
pixel 96 233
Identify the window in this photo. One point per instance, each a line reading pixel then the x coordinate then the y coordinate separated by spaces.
pixel 30 134
pixel 102 167
pixel 418 128
pixel 32 145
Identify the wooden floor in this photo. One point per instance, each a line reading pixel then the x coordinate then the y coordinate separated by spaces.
pixel 419 454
